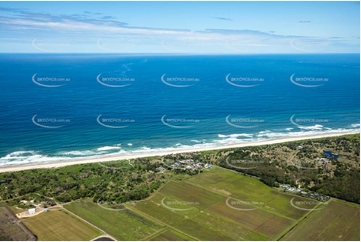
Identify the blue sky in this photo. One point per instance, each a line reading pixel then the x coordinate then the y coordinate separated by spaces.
pixel 180 27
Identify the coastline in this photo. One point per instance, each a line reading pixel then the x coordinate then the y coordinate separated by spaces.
pixel 158 153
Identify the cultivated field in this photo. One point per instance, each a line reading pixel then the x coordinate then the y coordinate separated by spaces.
pixel 121 224
pixel 223 205
pixel 171 235
pixel 10 229
pixel 336 221
pixel 60 225
pixel 218 204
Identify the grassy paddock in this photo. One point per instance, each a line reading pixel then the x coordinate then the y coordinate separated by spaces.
pixel 60 225
pixel 336 221
pixel 121 224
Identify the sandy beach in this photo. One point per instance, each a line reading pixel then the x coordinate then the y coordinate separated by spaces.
pixel 147 154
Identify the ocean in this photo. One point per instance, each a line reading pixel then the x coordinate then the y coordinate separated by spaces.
pixel 70 106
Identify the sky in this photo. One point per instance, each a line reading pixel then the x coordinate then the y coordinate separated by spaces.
pixel 180 27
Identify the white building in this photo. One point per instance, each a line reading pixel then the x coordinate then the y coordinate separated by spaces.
pixel 31 211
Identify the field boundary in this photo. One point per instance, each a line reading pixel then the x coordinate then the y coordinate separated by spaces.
pixel 297 222
pixel 141 213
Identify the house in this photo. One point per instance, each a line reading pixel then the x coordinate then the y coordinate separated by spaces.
pixel 325 160
pixel 299 147
pixel 160 169
pixel 330 155
pixel 31 211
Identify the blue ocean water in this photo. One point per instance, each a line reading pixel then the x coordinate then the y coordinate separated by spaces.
pixel 64 106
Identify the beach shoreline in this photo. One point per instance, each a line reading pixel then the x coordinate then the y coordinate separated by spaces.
pixel 79 161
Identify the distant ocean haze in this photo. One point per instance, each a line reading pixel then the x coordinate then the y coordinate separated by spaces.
pixel 62 106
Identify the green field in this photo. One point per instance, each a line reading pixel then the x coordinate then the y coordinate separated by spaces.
pixel 198 207
pixel 336 221
pixel 218 204
pixel 59 225
pixel 122 225
pixel 171 235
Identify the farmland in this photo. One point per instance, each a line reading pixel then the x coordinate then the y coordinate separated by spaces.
pixel 60 225
pixel 121 224
pixel 337 221
pixel 218 204
pixel 171 235
pixel 10 229
pixel 198 207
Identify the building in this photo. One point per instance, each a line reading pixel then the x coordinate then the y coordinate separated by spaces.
pixel 330 155
pixel 31 211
